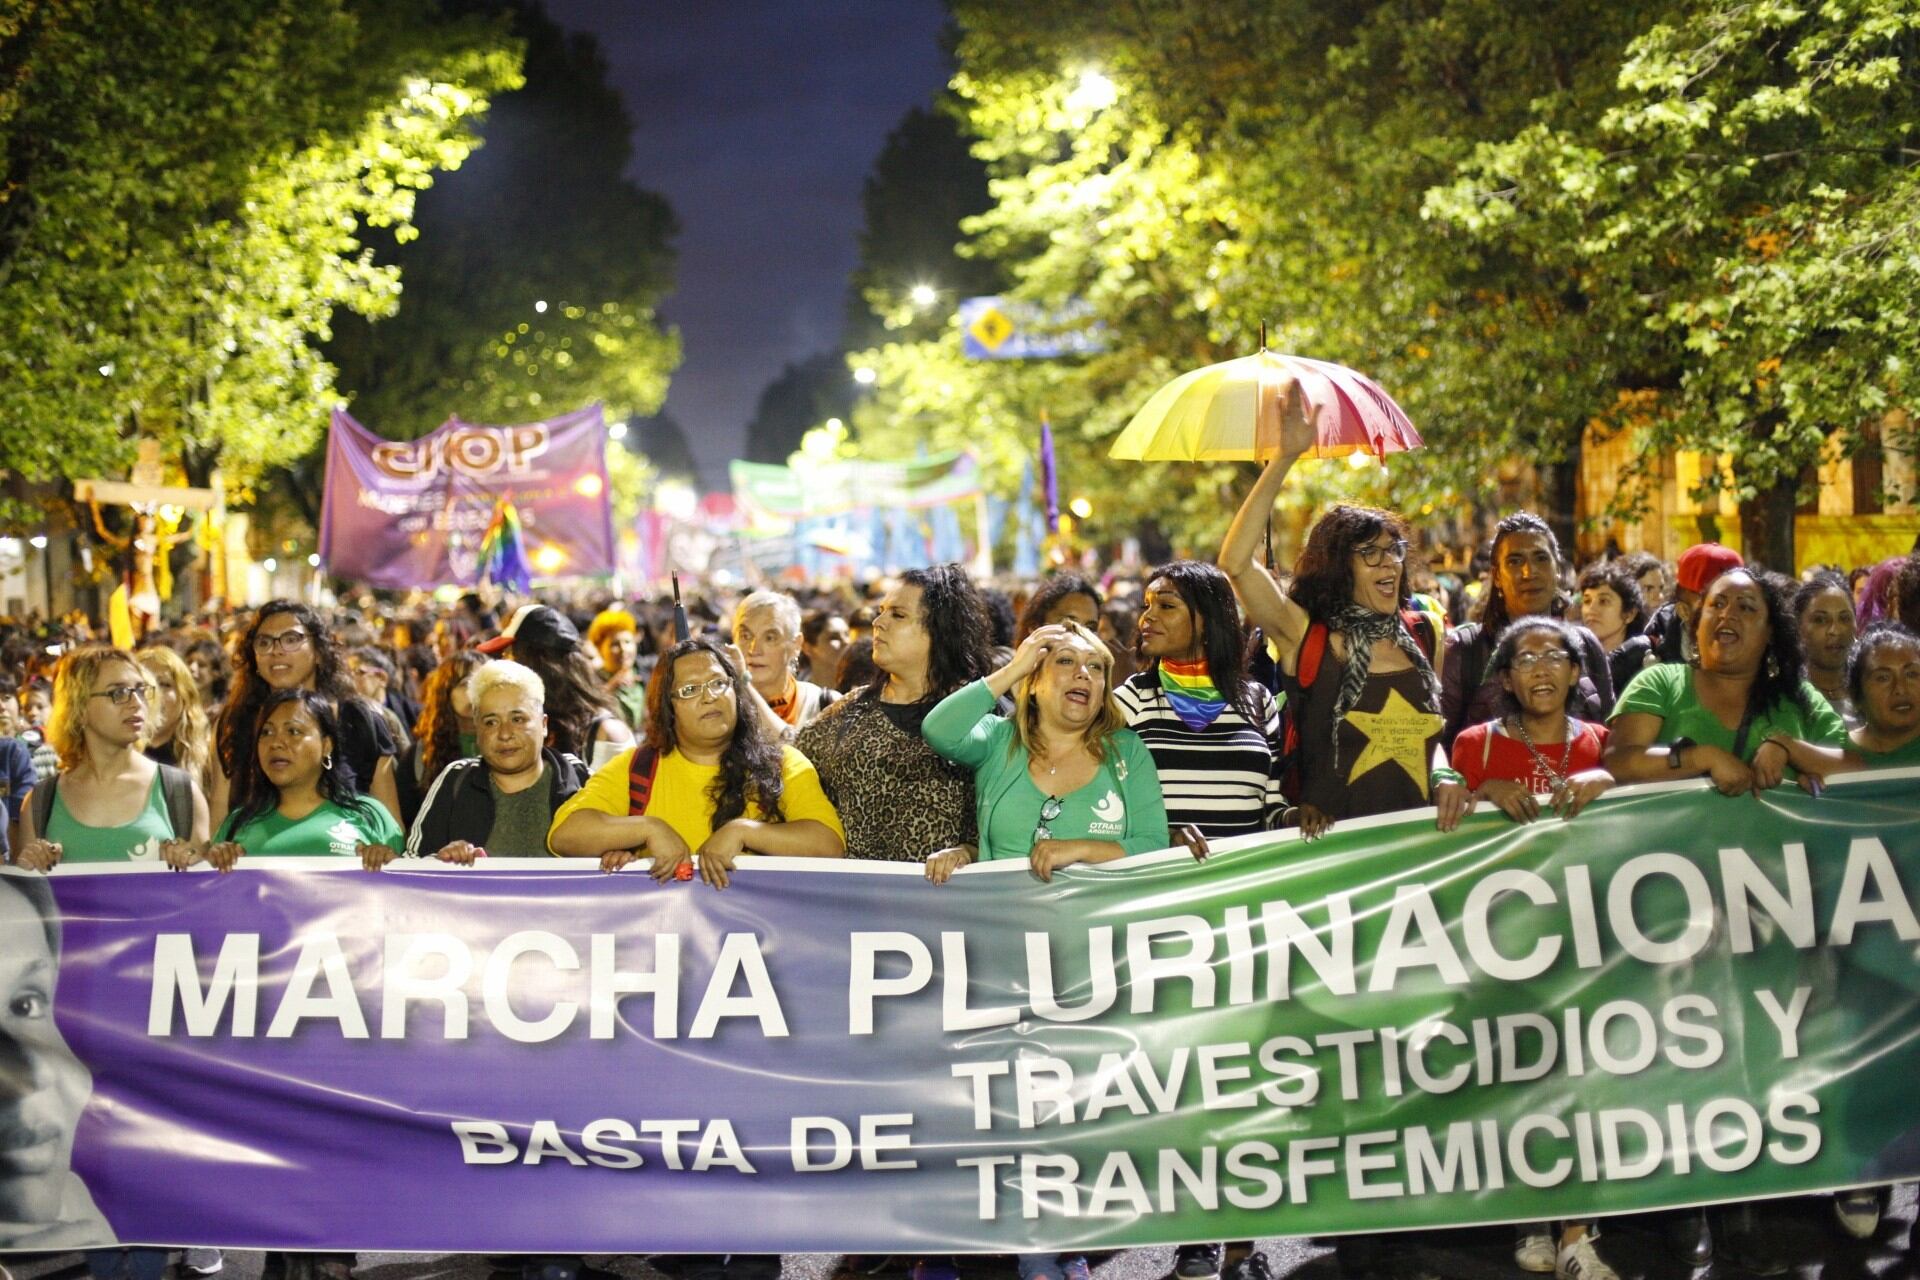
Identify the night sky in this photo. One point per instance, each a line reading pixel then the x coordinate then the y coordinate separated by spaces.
pixel 758 120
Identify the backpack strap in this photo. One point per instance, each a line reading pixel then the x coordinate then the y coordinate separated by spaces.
pixel 1312 650
pixel 1424 627
pixel 176 788
pixel 42 804
pixel 640 776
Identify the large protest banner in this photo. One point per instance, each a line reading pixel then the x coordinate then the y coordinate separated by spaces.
pixel 409 514
pixel 1676 998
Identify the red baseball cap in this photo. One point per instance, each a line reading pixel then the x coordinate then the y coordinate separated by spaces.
pixel 1700 565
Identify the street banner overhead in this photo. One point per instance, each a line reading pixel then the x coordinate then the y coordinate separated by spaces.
pixel 407 514
pixel 831 488
pixel 1675 999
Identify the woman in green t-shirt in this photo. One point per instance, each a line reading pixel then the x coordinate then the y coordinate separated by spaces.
pixel 1745 716
pixel 304 800
pixel 1883 678
pixel 109 802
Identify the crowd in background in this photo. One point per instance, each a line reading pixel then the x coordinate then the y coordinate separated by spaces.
pixel 926 718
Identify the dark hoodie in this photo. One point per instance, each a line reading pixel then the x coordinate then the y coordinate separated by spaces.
pixel 459 805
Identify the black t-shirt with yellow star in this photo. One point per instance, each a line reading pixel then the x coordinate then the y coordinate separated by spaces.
pixel 1386 743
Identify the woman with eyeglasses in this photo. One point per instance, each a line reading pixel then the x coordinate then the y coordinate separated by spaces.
pixel 708 785
pixel 289 647
pixel 1358 664
pixel 109 802
pixel 1536 753
pixel 1060 781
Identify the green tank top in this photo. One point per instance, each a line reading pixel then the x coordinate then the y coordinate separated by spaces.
pixel 137 841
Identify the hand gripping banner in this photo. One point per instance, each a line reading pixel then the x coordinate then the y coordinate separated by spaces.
pixel 1676 998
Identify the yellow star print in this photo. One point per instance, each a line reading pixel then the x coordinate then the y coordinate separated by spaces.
pixel 1397 733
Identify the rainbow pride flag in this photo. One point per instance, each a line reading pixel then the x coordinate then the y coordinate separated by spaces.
pixel 503 553
pixel 1190 688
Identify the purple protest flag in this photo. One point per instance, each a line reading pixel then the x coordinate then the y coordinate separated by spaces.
pixel 407 514
pixel 1049 475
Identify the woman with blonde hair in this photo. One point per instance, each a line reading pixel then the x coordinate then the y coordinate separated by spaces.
pixel 1062 780
pixel 180 733
pixel 109 802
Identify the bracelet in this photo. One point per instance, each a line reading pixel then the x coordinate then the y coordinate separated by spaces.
pixel 1441 777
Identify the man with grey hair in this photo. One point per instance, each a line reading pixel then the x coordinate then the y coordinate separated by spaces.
pixel 766 632
pixel 502 801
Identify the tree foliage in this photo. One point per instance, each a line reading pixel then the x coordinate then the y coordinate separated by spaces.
pixel 184 209
pixel 531 288
pixel 1519 218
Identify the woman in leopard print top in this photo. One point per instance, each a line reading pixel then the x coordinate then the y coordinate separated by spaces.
pixel 898 800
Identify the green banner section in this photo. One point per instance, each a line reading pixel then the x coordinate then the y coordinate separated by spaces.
pixel 1676 998
pixel 831 488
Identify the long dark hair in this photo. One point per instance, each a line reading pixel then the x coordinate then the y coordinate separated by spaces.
pixel 260 795
pixel 959 630
pixel 1784 667
pixel 750 767
pixel 1208 595
pixel 240 719
pixel 1494 620
pixel 576 700
pixel 1323 575
pixel 1051 591
pixel 438 729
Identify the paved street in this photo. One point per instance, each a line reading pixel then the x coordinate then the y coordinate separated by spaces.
pixel 1802 1230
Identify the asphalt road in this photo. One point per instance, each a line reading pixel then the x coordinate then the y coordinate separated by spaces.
pixel 1801 1231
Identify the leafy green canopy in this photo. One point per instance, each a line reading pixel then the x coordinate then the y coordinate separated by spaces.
pixel 183 210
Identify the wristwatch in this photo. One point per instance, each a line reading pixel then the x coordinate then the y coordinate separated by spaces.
pixel 1676 749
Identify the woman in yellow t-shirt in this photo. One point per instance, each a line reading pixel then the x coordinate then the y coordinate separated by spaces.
pixel 710 784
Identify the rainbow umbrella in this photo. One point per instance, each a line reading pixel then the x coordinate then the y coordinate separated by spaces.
pixel 1232 412
pixel 503 553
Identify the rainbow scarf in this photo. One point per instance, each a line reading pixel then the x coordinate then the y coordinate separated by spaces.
pixel 1195 698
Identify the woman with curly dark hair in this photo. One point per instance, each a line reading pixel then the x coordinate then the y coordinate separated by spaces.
pixel 1745 715
pixel 1823 612
pixel 443 733
pixel 288 646
pixel 301 799
pixel 899 801
pixel 1358 665
pixel 709 783
pixel 1060 597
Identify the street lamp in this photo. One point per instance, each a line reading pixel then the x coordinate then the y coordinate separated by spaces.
pixel 923 295
pixel 866 376
pixel 39 541
pixel 618 431
pixel 540 307
pixel 1094 92
pixel 1081 508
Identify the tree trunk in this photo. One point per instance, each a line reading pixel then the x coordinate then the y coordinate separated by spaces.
pixel 1766 526
pixel 1560 501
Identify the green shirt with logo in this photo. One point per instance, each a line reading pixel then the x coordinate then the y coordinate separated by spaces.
pixel 331 830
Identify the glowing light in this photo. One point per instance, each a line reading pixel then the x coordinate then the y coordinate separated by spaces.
pixel 541 306
pixel 617 431
pixel 1081 508
pixel 313 561
pixel 924 295
pixel 548 559
pixel 106 370
pixel 865 376
pixel 39 541
pixel 270 565
pixel 1358 461
pixel 835 426
pixel 588 485
pixel 1094 92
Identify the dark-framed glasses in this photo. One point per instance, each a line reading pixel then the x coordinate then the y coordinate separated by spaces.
pixel 122 694
pixel 1048 812
pixel 1374 556
pixel 718 687
pixel 292 640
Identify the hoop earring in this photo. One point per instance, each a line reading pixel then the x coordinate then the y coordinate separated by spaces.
pixel 1773 666
pixel 326 763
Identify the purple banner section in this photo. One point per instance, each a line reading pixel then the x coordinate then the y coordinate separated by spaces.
pixel 406 514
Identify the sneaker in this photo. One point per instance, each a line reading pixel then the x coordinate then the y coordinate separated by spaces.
pixel 1858 1212
pixel 1075 1268
pixel 1198 1261
pixel 1252 1267
pixel 202 1262
pixel 1582 1261
pixel 1533 1249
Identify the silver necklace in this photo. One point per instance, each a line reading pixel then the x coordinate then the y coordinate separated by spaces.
pixel 1558 776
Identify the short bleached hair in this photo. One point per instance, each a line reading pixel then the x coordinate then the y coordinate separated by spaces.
pixel 785 608
pixel 491 675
